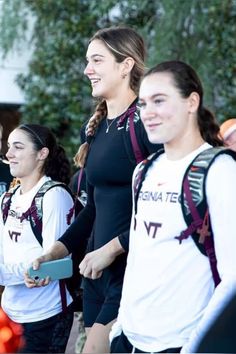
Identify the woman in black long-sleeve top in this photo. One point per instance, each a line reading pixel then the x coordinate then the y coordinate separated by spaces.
pixel 116 141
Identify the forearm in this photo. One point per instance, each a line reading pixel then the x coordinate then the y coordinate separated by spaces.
pixel 114 247
pixel 57 251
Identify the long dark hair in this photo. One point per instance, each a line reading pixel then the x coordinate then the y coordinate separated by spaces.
pixel 187 81
pixel 122 42
pixel 57 165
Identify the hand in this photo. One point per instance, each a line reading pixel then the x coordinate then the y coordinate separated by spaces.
pixel 32 283
pixel 95 262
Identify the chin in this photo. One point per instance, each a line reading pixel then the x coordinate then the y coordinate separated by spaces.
pixel 154 139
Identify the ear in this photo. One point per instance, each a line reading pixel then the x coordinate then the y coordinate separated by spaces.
pixel 193 102
pixel 128 64
pixel 43 153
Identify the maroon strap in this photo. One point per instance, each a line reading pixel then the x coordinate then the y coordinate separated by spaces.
pixel 197 220
pixel 202 227
pixel 62 286
pixel 136 149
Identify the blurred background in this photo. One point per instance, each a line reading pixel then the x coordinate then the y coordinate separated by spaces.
pixel 43 45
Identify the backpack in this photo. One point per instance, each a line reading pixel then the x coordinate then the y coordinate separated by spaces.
pixel 193 201
pixel 35 214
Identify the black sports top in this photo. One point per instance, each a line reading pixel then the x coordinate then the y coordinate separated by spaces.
pixel 109 170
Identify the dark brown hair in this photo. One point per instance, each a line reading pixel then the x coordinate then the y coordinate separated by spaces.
pixel 187 81
pixel 122 42
pixel 56 165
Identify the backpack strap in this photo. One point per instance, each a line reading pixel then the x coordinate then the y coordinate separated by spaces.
pixel 194 205
pixel 136 148
pixel 135 145
pixel 35 212
pixel 6 202
pixel 140 177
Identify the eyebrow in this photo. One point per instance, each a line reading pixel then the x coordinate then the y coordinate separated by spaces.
pixel 156 95
pixel 16 142
pixel 95 55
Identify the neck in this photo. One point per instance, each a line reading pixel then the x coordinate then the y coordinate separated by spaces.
pixel 117 105
pixel 26 183
pixel 179 149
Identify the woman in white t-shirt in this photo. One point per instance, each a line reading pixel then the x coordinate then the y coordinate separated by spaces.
pixel 35 158
pixel 169 298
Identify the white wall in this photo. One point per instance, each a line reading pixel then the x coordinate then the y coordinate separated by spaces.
pixel 14 64
pixel 9 69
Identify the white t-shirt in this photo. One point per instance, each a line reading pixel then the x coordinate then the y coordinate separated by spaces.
pixel 19 247
pixel 168 296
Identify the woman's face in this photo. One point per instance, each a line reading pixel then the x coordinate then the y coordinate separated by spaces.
pixel 164 112
pixel 104 73
pixel 24 160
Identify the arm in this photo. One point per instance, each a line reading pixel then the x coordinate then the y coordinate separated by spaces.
pixel 95 262
pixel 75 237
pixel 221 196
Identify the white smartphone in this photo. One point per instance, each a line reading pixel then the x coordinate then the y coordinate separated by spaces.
pixel 58 269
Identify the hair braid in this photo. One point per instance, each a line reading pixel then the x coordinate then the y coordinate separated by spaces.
pixel 93 123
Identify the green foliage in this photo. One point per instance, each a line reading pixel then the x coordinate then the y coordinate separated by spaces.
pixel 200 32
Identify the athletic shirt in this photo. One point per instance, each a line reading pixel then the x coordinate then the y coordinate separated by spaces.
pixel 167 285
pixel 109 172
pixel 19 247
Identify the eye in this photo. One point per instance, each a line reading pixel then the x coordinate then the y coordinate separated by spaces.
pixel 157 101
pixel 96 60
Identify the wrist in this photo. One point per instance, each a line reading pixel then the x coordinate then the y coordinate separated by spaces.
pixel 115 247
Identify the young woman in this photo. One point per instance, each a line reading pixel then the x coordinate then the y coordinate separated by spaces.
pixel 171 305
pixel 35 158
pixel 116 140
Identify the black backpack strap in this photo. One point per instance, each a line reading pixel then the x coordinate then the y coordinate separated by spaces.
pixel 194 205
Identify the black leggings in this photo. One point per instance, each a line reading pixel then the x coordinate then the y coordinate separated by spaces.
pixel 121 344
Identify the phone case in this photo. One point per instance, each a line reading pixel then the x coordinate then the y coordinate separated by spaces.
pixel 58 269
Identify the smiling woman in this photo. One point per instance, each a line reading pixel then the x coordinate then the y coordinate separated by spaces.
pixel 35 159
pixel 115 65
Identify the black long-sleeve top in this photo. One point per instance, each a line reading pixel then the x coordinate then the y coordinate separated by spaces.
pixel 109 170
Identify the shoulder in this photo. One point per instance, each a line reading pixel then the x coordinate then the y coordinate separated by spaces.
pixel 221 175
pixel 58 192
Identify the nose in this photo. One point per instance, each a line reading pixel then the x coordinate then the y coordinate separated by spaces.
pixel 147 112
pixel 88 69
pixel 9 153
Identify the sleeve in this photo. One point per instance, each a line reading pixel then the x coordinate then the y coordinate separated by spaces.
pixel 221 197
pixel 77 235
pixel 57 204
pixel 124 240
pixel 124 237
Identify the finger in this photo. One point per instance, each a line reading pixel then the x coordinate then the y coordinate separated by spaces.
pixel 96 274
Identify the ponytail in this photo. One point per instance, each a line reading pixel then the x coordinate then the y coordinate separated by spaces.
pixel 57 165
pixel 209 128
pixel 93 123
